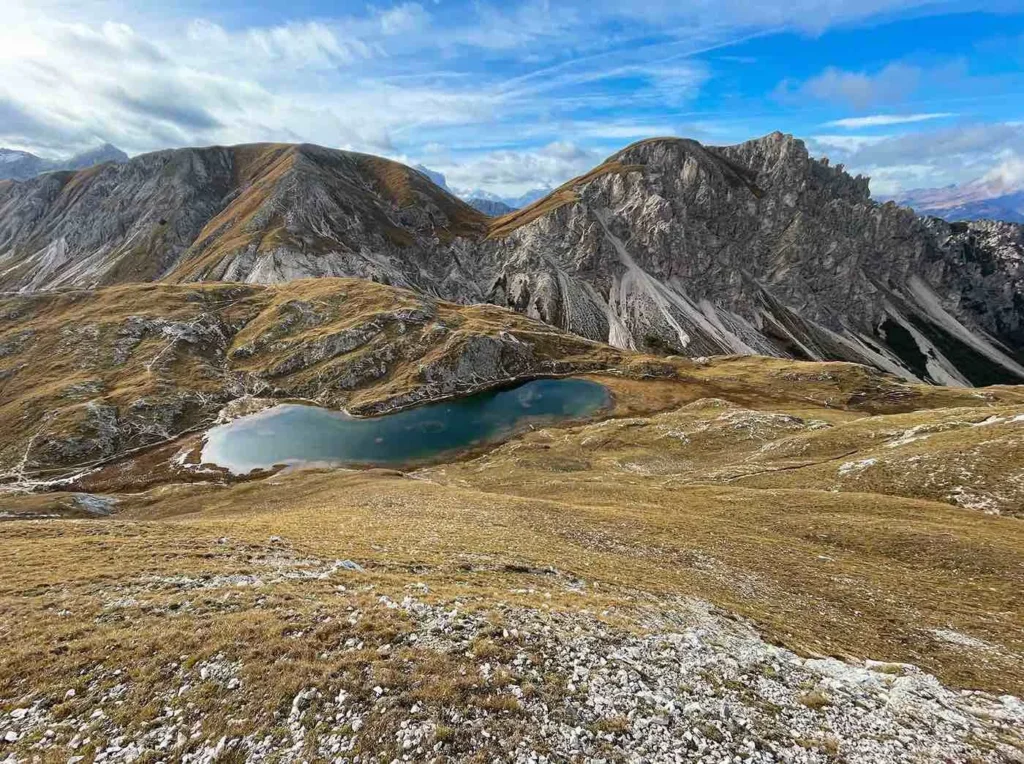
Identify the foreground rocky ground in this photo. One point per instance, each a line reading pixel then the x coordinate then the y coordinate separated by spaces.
pixel 514 683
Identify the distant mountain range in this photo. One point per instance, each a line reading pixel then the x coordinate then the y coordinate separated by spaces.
pixel 21 165
pixel 997 196
pixel 668 247
pixel 492 207
pixel 485 201
pixel 488 203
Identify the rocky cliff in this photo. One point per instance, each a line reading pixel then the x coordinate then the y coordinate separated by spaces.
pixel 668 246
pixel 758 248
pixel 262 213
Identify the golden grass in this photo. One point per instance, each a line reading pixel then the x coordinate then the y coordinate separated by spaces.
pixel 259 168
pixel 852 575
pixel 610 517
pixel 67 350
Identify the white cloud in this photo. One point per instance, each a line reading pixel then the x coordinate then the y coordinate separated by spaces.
pixel 883 120
pixel 617 131
pixel 472 87
pixel 823 144
pixel 208 86
pixel 892 84
pixel 511 173
pixel 935 158
pixel 404 19
pixel 297 46
pixel 1008 175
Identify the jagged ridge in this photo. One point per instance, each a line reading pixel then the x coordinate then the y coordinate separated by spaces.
pixel 667 246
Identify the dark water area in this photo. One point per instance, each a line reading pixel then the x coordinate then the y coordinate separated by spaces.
pixel 301 435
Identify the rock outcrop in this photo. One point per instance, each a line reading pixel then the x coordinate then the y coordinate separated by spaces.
pixel 758 248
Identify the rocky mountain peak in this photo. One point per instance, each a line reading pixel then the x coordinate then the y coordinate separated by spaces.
pixel 103 153
pixel 669 246
pixel 677 247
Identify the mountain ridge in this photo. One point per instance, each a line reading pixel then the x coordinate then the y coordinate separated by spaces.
pixel 667 246
pixel 22 165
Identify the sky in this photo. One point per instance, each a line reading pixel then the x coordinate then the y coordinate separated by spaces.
pixel 510 96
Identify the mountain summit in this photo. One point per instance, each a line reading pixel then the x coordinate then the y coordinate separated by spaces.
pixel 21 165
pixel 668 246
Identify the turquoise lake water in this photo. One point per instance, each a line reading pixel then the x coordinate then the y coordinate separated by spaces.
pixel 301 435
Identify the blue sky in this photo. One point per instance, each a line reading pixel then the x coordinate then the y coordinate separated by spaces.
pixel 513 95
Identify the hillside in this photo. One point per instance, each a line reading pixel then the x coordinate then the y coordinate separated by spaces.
pixel 260 213
pixel 745 557
pixel 667 247
pixel 758 248
pixel 87 376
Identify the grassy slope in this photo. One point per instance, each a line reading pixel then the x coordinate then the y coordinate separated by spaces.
pixel 186 350
pixel 629 505
pixel 720 480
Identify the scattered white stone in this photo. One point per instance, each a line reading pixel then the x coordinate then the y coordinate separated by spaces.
pixel 852 468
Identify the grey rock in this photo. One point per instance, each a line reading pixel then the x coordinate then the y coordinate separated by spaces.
pixel 96 505
pixel 758 248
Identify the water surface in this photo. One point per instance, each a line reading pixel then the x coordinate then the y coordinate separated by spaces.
pixel 294 434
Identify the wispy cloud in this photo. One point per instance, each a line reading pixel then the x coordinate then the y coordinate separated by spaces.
pixel 1008 174
pixel 884 120
pixel 489 92
pixel 892 84
pixel 511 173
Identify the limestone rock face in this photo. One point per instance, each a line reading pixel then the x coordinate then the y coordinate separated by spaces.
pixel 262 213
pixel 758 248
pixel 668 246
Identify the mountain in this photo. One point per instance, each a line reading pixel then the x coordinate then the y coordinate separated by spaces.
pixel 511 202
pixel 98 155
pixel 262 213
pixel 734 558
pixel 490 207
pixel 988 198
pixel 758 248
pixel 487 202
pixel 516 202
pixel 20 165
pixel 484 201
pixel 435 177
pixel 668 246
